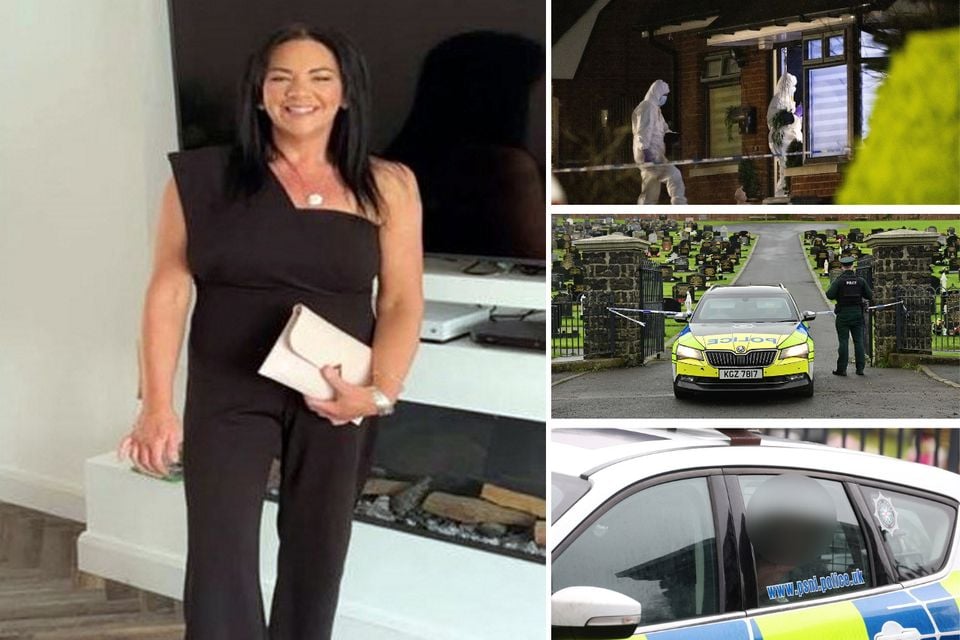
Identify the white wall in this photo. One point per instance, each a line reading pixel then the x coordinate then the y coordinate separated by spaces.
pixel 88 115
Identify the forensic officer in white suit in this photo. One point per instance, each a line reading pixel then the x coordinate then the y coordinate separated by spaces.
pixel 649 127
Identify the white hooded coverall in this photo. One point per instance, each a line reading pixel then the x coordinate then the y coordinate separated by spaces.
pixel 649 127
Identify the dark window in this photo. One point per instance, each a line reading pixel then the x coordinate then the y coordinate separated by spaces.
pixel 657 546
pixel 807 542
pixel 721 79
pixel 917 532
pixel 745 308
pixel 723 139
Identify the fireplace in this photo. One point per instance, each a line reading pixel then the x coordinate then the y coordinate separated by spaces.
pixel 463 477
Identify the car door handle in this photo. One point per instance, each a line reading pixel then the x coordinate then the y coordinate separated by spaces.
pixel 893 631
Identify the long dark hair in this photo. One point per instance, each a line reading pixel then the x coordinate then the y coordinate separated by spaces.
pixel 348 149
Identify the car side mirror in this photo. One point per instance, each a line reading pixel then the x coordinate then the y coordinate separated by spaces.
pixel 683 316
pixel 809 315
pixel 579 612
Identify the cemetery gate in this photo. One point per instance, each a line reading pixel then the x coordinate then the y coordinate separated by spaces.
pixel 585 326
pixel 928 321
pixel 651 297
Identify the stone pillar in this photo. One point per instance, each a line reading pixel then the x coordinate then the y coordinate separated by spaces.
pixel 901 258
pixel 612 277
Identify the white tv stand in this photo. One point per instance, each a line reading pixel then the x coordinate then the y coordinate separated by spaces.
pixel 396 585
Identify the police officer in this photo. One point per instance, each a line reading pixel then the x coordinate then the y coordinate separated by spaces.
pixel 849 290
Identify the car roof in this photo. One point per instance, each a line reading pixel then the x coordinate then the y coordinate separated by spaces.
pixel 581 451
pixel 740 289
pixel 584 451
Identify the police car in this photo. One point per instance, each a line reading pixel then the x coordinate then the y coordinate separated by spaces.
pixel 703 535
pixel 744 338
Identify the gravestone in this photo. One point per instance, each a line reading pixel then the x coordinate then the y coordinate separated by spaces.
pixel 575 275
pixel 666 272
pixel 674 306
pixel 710 271
pixel 556 281
pixel 680 291
pixel 697 280
pixel 667 245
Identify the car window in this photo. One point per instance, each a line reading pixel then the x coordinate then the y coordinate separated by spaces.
pixel 753 308
pixel 565 491
pixel 807 542
pixel 657 546
pixel 916 531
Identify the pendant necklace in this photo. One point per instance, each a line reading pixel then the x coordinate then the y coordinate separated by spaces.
pixel 314 198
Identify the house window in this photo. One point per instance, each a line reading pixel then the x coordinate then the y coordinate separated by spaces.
pixel 826 89
pixel 872 54
pixel 827 113
pixel 825 70
pixel 723 141
pixel 721 78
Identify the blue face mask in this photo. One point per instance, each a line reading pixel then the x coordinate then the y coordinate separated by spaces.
pixel 663 100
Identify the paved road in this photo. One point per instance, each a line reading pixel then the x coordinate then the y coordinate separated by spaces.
pixel 646 392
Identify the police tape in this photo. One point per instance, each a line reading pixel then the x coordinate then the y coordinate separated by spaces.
pixel 690 162
pixel 887 305
pixel 617 312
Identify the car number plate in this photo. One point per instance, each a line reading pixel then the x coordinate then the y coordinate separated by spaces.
pixel 741 374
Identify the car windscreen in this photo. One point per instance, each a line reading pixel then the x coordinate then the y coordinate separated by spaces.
pixel 745 308
pixel 565 491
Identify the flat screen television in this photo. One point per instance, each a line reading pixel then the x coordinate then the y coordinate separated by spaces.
pixel 458 95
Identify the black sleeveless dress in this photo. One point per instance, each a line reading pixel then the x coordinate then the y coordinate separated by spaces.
pixel 251 261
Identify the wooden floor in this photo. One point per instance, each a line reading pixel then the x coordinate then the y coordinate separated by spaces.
pixel 44 597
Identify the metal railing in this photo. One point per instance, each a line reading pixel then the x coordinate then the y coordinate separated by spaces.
pixel 928 321
pixel 934 447
pixel 566 329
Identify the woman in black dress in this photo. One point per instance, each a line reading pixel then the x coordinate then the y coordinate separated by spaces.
pixel 294 211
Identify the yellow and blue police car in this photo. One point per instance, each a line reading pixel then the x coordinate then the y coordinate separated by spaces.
pixel 744 338
pixel 708 535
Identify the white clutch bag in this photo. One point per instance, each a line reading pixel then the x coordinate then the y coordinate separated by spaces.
pixel 309 342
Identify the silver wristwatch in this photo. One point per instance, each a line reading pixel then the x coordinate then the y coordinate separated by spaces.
pixel 384 406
